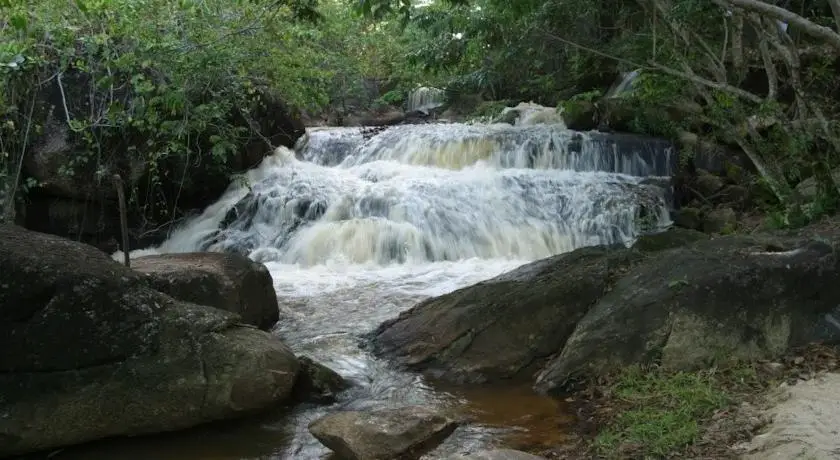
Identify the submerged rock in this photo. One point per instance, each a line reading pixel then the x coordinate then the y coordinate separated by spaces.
pixel 405 433
pixel 593 310
pixel 88 350
pixel 318 383
pixel 226 281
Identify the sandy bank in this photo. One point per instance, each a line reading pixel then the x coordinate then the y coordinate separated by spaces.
pixel 806 423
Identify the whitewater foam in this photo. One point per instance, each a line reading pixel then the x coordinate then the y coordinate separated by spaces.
pixel 357 228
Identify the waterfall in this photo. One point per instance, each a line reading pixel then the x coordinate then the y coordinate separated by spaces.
pixel 356 226
pixel 437 192
pixel 624 85
pixel 425 98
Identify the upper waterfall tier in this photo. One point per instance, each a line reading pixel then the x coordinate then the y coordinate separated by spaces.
pixel 455 146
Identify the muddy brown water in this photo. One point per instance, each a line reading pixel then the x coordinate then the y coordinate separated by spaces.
pixel 516 417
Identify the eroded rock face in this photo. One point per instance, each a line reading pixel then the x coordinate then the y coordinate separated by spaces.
pixel 743 297
pixel 88 350
pixel 507 326
pixel 679 298
pixel 406 432
pixel 227 281
pixel 84 183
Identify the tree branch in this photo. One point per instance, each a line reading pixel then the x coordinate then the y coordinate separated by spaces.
pixel 708 83
pixel 835 10
pixel 666 70
pixel 767 59
pixel 817 31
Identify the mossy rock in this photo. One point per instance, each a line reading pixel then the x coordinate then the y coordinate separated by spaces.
pixel 721 220
pixel 688 217
pixel 580 115
pixel 318 383
pixel 674 237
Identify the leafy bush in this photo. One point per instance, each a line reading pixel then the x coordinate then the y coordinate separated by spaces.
pixel 167 85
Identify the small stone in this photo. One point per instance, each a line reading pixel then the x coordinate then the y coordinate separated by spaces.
pixel 406 432
pixel 496 454
pixel 317 383
pixel 798 360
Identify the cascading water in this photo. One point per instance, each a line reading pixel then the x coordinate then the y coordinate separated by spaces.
pixel 356 228
pixel 425 98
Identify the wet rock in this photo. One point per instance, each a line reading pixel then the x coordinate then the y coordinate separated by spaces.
pixel 707 183
pixel 507 326
pixel 580 115
pixel 746 297
pixel 721 220
pixel 318 383
pixel 497 454
pixel 75 219
pixel 807 189
pixel 674 237
pixel 64 169
pixel 509 117
pixel 688 217
pixel 594 310
pixel 382 116
pixel 88 350
pixel 407 433
pixel 226 281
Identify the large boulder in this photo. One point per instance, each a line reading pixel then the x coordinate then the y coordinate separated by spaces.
pixel 593 310
pixel 505 327
pixel 227 281
pixel 385 434
pixel 88 350
pixel 732 297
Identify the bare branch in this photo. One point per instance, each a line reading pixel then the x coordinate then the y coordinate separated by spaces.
pixel 708 83
pixel 767 59
pixel 835 10
pixel 815 30
pixel 738 46
pixel 10 206
pixel 666 70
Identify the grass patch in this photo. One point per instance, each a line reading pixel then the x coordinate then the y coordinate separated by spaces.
pixel 658 413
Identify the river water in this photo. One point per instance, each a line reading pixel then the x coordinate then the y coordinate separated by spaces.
pixel 357 226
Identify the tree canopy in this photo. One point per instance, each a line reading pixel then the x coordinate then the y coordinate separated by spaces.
pixel 760 76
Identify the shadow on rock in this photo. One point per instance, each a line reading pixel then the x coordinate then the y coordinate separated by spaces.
pixel 677 298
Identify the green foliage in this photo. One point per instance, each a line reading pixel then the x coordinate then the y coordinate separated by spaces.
pixel 489 109
pixel 394 97
pixel 664 410
pixel 587 96
pixel 172 84
pixel 798 215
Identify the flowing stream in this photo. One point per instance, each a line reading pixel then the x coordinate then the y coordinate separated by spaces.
pixel 357 226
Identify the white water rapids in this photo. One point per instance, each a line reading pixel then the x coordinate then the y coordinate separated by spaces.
pixel 356 228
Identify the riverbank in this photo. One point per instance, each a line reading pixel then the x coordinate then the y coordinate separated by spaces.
pixel 748 410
